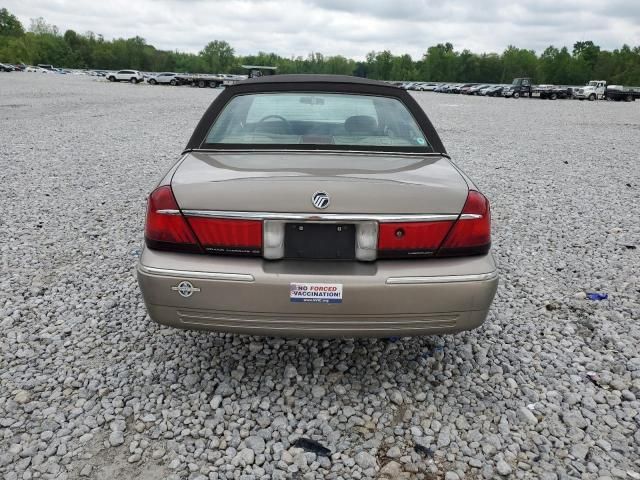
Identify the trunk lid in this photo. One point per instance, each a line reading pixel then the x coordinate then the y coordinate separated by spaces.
pixel 284 182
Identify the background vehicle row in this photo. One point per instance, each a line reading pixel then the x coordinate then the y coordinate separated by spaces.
pixel 524 87
pixel 519 87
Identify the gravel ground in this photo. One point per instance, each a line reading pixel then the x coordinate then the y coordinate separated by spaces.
pixel 547 388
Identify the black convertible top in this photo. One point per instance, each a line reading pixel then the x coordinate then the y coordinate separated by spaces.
pixel 313 83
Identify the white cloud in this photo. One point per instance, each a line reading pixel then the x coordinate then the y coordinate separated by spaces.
pixel 348 27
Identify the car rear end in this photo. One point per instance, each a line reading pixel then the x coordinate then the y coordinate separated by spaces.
pixel 327 241
pixel 293 269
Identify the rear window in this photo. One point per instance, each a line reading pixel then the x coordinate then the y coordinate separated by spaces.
pixel 338 119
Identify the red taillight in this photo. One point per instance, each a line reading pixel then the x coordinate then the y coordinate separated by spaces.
pixel 228 236
pixel 411 238
pixel 471 235
pixel 166 228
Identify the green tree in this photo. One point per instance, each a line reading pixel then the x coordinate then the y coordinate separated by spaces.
pixel 518 62
pixel 490 68
pixel 384 62
pixel 403 68
pixel 587 51
pixel 10 26
pixel 467 67
pixel 339 65
pixel 218 56
pixel 439 63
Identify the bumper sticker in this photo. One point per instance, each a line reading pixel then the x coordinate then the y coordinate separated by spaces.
pixel 315 292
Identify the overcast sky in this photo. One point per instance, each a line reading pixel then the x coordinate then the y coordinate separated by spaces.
pixel 348 27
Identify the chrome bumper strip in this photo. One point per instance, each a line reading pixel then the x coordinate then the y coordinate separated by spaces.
pixel 442 279
pixel 231 277
pixel 326 217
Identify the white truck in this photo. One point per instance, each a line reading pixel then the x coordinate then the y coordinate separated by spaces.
pixel 594 90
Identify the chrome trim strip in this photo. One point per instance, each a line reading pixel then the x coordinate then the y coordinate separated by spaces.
pixel 470 216
pixel 478 277
pixel 169 211
pixel 310 151
pixel 232 277
pixel 322 217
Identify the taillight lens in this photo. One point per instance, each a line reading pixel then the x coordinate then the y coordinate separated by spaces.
pixel 165 227
pixel 411 239
pixel 228 236
pixel 471 234
pixel 168 229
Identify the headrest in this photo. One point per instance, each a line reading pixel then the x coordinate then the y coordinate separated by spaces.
pixel 361 125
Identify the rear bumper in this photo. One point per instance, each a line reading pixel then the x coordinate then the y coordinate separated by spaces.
pixel 380 299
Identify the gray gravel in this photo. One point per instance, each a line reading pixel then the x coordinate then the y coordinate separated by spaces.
pixel 548 388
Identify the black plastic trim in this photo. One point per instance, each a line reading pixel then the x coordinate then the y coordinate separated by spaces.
pixel 464 252
pixel 173 247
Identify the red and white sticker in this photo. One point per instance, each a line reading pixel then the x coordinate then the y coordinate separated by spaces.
pixel 315 292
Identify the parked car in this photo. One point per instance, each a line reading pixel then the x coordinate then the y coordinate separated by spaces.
pixel 163 78
pixel 442 88
pixel 466 88
pixel 458 87
pixel 315 205
pixel 427 87
pixel 4 67
pixel 422 86
pixel 498 91
pixel 483 91
pixel 415 86
pixel 474 90
pixel 132 76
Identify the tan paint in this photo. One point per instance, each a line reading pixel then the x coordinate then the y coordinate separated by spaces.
pixel 370 306
pixel 285 182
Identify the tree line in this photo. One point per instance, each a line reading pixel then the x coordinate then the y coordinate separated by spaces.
pixel 44 43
